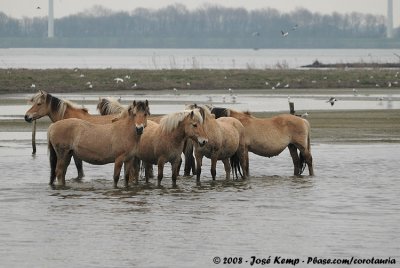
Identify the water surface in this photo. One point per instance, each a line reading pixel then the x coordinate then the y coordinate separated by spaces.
pixel 350 208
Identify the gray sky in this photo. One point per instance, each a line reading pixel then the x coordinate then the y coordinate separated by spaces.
pixel 21 8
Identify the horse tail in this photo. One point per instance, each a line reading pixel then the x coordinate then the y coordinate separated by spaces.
pixel 302 164
pixel 190 164
pixel 53 160
pixel 236 166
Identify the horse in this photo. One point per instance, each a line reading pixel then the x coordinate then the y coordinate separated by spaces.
pixel 270 136
pixel 97 144
pixel 43 103
pixel 226 142
pixel 164 142
pixel 109 106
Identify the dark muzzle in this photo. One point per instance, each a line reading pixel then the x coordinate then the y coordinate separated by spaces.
pixel 139 130
pixel 28 119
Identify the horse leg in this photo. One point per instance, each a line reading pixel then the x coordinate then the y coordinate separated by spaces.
pixel 135 169
pixel 295 158
pixel 309 160
pixel 160 175
pixel 79 167
pixel 128 172
pixel 117 169
pixel 214 168
pixel 53 163
pixel 61 169
pixel 175 170
pixel 199 162
pixel 148 171
pixel 227 166
pixel 148 174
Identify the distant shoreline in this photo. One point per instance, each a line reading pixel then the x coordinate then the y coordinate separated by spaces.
pixel 318 64
pixel 277 80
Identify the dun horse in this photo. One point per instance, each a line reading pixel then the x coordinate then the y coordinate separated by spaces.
pixel 108 106
pixel 226 142
pixel 164 142
pixel 44 103
pixel 95 143
pixel 270 136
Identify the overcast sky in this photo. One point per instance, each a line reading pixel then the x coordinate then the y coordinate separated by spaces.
pixel 28 8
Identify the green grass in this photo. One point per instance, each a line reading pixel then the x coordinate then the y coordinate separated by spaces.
pixel 70 80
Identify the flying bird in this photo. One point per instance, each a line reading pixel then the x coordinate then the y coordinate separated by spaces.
pixel 284 34
pixel 332 100
pixel 294 28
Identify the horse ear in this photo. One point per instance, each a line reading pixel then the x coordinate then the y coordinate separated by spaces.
pixel 134 103
pixel 42 92
pixel 147 103
pixel 191 114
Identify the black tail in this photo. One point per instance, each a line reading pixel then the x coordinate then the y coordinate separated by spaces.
pixel 235 166
pixel 302 163
pixel 190 163
pixel 53 163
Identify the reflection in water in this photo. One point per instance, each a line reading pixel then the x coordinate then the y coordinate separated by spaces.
pixel 350 208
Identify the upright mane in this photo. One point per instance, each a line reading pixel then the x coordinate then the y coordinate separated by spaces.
pixel 220 112
pixel 171 121
pixel 109 105
pixel 204 110
pixel 57 105
pixel 138 106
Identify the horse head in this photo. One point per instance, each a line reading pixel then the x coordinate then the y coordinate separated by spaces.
pixel 139 111
pixel 194 128
pixel 40 106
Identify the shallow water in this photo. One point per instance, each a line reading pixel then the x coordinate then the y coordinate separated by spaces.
pixel 350 208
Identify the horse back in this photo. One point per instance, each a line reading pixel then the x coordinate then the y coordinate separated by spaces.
pixel 65 132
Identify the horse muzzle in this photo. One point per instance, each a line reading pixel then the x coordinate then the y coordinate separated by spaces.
pixel 202 141
pixel 28 119
pixel 139 130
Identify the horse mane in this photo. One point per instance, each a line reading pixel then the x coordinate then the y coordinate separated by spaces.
pixel 142 106
pixel 220 112
pixel 57 105
pixel 171 121
pixel 109 105
pixel 205 110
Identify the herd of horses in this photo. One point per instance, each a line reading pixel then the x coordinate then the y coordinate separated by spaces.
pixel 131 137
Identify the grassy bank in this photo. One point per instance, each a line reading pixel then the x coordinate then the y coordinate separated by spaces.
pixel 102 80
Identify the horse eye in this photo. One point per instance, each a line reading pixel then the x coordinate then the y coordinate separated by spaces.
pixel 39 104
pixel 194 125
